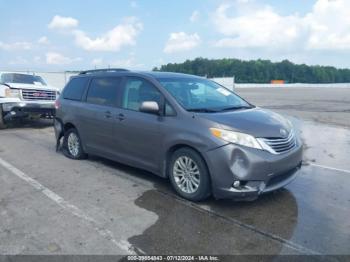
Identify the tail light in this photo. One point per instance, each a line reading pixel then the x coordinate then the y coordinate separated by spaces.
pixel 57 104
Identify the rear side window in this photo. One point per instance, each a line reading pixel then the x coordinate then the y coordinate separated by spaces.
pixel 103 91
pixel 75 88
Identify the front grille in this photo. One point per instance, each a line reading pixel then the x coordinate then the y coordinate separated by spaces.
pixel 42 95
pixel 281 145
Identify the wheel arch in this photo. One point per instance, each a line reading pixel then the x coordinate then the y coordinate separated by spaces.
pixel 65 126
pixel 176 147
pixel 68 126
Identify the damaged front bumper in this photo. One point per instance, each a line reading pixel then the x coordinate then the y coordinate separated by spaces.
pixel 24 109
pixel 243 173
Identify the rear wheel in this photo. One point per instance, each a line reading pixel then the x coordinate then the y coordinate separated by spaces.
pixel 2 122
pixel 189 175
pixel 72 145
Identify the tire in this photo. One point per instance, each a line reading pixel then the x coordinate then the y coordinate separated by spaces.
pixel 2 123
pixel 72 145
pixel 197 187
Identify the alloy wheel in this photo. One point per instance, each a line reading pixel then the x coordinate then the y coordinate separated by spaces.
pixel 73 144
pixel 186 174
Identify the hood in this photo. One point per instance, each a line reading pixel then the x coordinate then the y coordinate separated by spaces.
pixel 256 122
pixel 31 86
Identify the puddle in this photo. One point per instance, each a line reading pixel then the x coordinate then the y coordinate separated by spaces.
pixel 184 229
pixel 325 145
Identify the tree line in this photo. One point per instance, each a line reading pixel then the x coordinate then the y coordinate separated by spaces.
pixel 259 71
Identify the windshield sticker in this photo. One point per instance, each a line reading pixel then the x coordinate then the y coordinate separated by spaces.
pixel 223 91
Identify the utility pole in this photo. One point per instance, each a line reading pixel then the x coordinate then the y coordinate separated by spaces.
pixel 233 82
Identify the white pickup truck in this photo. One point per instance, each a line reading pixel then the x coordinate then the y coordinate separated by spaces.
pixel 25 95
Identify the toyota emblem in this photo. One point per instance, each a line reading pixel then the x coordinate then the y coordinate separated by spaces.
pixel 283 132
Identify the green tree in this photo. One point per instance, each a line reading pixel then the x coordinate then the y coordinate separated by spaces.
pixel 259 71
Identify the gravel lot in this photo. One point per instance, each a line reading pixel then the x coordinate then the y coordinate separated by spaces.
pixel 53 205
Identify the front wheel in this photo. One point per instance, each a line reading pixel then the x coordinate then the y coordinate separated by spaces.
pixel 2 122
pixel 189 175
pixel 72 145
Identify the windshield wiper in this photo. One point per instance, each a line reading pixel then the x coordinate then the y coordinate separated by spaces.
pixel 235 108
pixel 202 110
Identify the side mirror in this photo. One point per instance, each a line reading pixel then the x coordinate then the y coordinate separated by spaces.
pixel 151 107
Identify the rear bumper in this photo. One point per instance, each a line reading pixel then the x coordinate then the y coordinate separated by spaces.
pixel 22 109
pixel 59 129
pixel 257 171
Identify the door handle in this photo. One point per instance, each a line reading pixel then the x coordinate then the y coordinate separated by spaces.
pixel 121 117
pixel 108 114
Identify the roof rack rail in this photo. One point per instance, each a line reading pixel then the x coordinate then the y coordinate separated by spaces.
pixel 106 70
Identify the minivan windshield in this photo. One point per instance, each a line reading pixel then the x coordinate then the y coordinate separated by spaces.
pixel 202 95
pixel 22 79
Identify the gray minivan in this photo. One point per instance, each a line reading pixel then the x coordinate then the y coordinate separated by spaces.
pixel 203 137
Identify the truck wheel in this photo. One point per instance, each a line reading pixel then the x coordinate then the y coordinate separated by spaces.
pixel 2 123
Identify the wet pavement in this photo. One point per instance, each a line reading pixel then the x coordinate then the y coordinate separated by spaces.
pixel 330 106
pixel 97 206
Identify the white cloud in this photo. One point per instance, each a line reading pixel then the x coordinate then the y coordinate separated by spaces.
pixel 53 58
pixel 43 40
pixel 15 46
pixel 181 42
pixel 194 16
pixel 255 27
pixel 97 61
pixel 329 25
pixel 247 24
pixel 61 22
pixel 123 34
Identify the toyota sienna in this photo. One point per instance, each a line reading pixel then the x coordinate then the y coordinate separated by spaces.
pixel 201 136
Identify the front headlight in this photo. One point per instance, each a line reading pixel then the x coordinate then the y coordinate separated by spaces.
pixel 236 138
pixel 12 93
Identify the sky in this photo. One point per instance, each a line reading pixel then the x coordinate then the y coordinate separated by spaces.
pixel 61 35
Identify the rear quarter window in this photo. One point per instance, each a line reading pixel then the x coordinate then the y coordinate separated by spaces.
pixel 103 91
pixel 75 88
